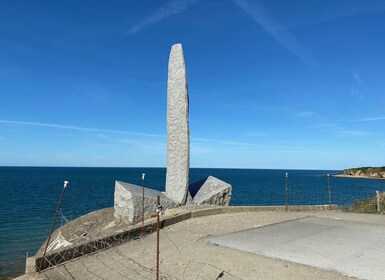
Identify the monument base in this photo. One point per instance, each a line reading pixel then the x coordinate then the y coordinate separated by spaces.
pixel 210 191
pixel 128 200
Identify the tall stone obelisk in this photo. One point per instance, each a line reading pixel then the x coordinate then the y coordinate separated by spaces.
pixel 178 133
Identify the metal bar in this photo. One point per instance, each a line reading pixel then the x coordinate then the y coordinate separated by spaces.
pixel 286 192
pixel 142 204
pixel 330 193
pixel 157 238
pixel 53 225
pixel 378 201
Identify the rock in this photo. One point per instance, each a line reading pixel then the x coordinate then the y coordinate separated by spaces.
pixel 211 191
pixel 189 200
pixel 367 172
pixel 178 134
pixel 128 202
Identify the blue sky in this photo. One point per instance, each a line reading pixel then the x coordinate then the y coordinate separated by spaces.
pixel 272 84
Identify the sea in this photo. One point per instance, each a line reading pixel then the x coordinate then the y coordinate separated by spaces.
pixel 29 196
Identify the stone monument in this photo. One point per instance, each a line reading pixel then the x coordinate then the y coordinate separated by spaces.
pixel 128 202
pixel 209 191
pixel 178 133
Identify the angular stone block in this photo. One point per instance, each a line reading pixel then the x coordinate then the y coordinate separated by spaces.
pixel 211 191
pixel 178 133
pixel 128 202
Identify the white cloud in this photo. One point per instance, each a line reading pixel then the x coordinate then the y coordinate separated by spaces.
pixel 357 94
pixel 264 18
pixel 221 142
pixel 171 8
pixel 382 118
pixel 353 133
pixel 358 79
pixel 4 74
pixel 149 146
pixel 356 90
pixel 305 114
pixel 69 127
pixel 326 125
pixel 339 10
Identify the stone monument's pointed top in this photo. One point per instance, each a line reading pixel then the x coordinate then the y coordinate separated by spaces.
pixel 177 46
pixel 176 63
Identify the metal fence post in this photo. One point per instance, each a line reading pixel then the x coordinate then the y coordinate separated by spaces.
pixel 330 194
pixel 378 201
pixel 143 204
pixel 286 190
pixel 52 226
pixel 158 210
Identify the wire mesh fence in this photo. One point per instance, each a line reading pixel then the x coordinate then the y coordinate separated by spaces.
pixel 137 259
pixel 314 190
pixel 111 258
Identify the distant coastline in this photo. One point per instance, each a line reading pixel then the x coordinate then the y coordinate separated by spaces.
pixel 342 175
pixel 377 173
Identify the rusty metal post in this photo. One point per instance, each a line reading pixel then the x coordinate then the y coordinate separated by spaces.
pixel 158 209
pixel 286 190
pixel 378 201
pixel 142 204
pixel 53 225
pixel 330 193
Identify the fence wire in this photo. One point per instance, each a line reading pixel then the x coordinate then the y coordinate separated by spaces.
pixel 313 191
pixel 119 261
pixel 111 258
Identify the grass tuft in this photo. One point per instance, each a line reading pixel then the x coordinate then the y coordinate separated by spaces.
pixel 369 205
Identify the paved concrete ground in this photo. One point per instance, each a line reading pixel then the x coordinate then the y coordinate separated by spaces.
pixel 185 256
pixel 351 248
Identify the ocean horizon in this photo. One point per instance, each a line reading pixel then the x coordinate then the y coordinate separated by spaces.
pixel 29 196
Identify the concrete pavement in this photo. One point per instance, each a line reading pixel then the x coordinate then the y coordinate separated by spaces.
pixel 351 248
pixel 185 256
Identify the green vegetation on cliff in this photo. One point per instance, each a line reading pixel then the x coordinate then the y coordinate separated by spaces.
pixel 369 205
pixel 370 172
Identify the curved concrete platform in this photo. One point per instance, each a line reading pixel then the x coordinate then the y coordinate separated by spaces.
pixel 185 256
pixel 98 230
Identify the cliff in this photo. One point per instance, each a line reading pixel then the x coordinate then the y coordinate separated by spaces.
pixel 368 172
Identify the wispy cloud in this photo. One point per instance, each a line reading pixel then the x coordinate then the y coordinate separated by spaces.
pixel 357 94
pixel 359 84
pixel 325 125
pixel 265 19
pixel 305 114
pixel 171 8
pixel 148 145
pixel 222 142
pixel 353 133
pixel 358 79
pixel 205 145
pixel 382 118
pixel 79 128
pixel 4 74
pixel 339 10
pixel 10 72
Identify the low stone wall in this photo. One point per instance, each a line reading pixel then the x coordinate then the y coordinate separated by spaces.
pixel 103 243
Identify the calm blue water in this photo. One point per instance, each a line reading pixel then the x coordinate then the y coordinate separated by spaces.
pixel 29 196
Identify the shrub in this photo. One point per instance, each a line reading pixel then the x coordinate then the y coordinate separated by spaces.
pixel 369 205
